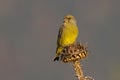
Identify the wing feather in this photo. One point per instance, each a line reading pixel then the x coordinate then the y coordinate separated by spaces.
pixel 59 35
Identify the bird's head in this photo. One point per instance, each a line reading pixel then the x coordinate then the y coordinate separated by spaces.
pixel 69 19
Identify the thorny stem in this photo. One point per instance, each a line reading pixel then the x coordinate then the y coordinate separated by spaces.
pixel 78 70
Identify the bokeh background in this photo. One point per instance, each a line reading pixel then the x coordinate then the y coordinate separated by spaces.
pixel 28 34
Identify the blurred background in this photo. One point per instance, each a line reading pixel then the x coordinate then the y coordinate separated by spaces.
pixel 28 34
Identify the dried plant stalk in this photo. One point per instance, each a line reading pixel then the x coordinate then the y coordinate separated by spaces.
pixel 74 53
pixel 78 70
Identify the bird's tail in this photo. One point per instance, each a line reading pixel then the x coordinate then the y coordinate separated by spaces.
pixel 58 52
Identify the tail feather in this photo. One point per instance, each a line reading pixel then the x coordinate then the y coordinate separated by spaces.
pixel 56 58
pixel 58 52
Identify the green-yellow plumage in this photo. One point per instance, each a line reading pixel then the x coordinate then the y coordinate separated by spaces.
pixel 67 35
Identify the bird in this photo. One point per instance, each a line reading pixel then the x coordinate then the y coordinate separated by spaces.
pixel 67 35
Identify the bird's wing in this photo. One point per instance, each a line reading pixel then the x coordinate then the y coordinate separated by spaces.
pixel 59 34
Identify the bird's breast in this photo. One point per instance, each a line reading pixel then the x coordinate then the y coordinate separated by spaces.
pixel 69 35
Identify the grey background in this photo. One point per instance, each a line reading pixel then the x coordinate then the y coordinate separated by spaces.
pixel 28 34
